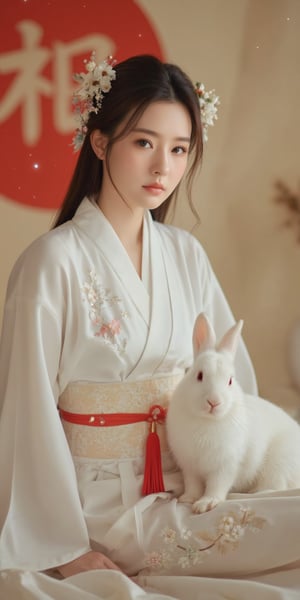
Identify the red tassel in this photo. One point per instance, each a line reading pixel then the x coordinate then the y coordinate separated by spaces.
pixel 153 477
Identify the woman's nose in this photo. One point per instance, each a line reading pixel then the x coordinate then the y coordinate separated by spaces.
pixel 160 164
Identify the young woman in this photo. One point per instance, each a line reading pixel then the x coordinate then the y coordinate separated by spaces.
pixel 97 332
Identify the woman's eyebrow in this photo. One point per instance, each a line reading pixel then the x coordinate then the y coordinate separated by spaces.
pixel 155 134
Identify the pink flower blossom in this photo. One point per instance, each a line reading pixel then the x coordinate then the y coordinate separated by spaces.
pixel 114 326
pixel 103 331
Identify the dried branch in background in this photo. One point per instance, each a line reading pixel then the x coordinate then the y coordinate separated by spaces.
pixel 291 200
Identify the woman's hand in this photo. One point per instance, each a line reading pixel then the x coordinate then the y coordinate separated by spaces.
pixel 87 562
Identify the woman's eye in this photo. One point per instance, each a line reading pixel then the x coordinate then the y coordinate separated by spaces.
pixel 144 143
pixel 180 150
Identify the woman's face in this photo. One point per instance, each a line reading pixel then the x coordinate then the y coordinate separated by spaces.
pixel 148 163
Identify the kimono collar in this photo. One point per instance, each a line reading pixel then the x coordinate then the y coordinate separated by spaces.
pixel 148 295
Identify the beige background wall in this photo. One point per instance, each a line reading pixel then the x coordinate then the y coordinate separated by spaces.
pixel 249 50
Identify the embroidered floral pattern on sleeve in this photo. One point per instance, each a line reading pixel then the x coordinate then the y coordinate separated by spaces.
pixel 228 532
pixel 104 313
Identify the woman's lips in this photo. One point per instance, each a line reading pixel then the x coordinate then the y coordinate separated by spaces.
pixel 154 188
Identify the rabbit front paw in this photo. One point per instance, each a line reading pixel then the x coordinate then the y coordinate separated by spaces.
pixel 205 503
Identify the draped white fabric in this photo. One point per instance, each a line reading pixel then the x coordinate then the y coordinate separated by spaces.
pixel 86 323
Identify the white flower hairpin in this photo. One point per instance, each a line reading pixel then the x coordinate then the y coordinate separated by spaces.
pixel 89 95
pixel 209 103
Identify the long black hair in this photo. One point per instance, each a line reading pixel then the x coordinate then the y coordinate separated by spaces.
pixel 140 80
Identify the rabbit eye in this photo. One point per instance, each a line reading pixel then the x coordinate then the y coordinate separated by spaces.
pixel 230 381
pixel 200 376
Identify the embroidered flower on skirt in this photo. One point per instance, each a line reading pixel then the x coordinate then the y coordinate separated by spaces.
pixel 183 550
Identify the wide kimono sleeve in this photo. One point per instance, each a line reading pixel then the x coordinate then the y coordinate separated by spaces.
pixel 220 314
pixel 41 520
pixel 190 268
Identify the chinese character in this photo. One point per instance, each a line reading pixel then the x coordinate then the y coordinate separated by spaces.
pixel 29 85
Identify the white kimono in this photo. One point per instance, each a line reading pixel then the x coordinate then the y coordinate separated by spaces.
pixel 83 332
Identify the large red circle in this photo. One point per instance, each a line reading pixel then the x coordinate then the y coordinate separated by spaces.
pixel 38 173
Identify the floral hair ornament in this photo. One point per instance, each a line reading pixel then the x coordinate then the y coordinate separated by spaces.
pixel 89 95
pixel 208 107
pixel 97 81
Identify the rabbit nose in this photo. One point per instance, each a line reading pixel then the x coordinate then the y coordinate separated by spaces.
pixel 213 403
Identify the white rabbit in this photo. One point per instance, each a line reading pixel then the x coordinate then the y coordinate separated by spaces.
pixel 221 438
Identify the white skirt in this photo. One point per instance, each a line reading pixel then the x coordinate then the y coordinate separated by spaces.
pixel 247 547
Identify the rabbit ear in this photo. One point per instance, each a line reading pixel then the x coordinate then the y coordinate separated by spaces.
pixel 230 340
pixel 204 337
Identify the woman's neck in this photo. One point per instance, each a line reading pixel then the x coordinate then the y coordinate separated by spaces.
pixel 128 226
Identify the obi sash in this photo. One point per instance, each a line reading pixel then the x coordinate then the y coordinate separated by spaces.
pixel 88 412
